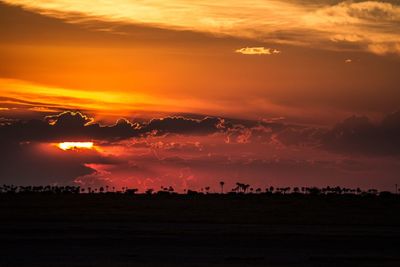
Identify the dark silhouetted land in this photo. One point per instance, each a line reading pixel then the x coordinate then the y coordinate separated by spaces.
pixel 199 230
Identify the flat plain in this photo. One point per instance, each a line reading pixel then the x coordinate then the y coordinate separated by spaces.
pixel 203 230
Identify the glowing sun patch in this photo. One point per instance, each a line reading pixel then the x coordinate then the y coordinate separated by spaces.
pixel 75 145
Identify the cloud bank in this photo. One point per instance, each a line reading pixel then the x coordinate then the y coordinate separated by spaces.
pixel 193 153
pixel 358 135
pixel 364 25
pixel 72 126
pixel 354 135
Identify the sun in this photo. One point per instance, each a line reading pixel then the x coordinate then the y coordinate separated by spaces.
pixel 75 145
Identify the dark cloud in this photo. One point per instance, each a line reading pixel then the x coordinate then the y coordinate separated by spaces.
pixel 181 125
pixel 355 135
pixel 300 135
pixel 27 161
pixel 35 164
pixel 358 135
pixel 63 127
pixel 69 120
pixel 178 150
pixel 76 126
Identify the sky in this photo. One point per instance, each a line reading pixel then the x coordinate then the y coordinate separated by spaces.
pixel 191 93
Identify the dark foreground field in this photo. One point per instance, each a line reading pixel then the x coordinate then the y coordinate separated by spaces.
pixel 206 230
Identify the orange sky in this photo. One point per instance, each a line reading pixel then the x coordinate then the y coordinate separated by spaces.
pixel 123 61
pixel 279 78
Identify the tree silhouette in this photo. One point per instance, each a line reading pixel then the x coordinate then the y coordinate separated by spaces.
pixel 245 187
pixel 149 191
pixel 271 189
pixel 240 188
pixel 131 191
pixel 222 183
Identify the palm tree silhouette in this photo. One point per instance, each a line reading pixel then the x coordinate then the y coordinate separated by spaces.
pixel 245 187
pixel 271 189
pixel 222 183
pixel 239 186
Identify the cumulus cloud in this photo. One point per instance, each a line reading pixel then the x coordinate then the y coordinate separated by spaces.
pixel 192 153
pixel 355 135
pixel 184 125
pixel 32 159
pixel 66 126
pixel 358 135
pixel 257 51
pixel 73 126
pixel 69 120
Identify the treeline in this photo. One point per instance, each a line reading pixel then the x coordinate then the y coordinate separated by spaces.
pixel 240 189
pixel 13 189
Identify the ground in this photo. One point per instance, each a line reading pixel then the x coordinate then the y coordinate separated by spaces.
pixel 206 230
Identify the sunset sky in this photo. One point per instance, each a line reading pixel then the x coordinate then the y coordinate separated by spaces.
pixel 190 93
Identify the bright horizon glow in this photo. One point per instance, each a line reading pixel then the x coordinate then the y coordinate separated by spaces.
pixel 75 145
pixel 115 102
